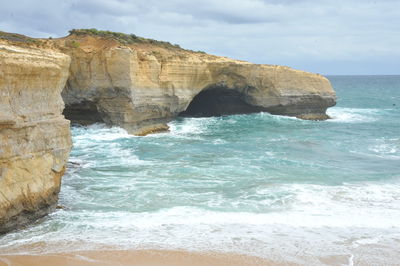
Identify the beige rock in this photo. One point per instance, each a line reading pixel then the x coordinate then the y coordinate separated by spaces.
pixel 35 138
pixel 138 86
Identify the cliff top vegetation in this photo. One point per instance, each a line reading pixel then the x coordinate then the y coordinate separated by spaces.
pixel 14 37
pixel 124 38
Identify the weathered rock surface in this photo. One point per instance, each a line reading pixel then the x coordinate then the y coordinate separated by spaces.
pixel 141 87
pixel 35 138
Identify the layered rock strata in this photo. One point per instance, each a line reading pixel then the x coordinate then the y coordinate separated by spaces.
pixel 35 138
pixel 138 84
pixel 141 87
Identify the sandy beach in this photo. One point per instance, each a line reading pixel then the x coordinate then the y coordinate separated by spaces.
pixel 134 257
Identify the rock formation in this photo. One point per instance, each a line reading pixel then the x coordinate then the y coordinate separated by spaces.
pixel 34 137
pixel 141 84
pixel 124 80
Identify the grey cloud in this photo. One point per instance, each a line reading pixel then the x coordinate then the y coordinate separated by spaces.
pixel 116 8
pixel 317 35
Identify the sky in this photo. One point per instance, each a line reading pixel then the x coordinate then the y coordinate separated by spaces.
pixel 342 37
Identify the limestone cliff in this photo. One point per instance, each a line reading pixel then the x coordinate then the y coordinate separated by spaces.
pixel 141 85
pixel 138 84
pixel 34 137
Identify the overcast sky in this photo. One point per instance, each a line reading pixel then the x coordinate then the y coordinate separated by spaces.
pixel 323 36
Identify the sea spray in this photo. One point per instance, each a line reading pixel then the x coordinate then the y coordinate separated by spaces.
pixel 259 184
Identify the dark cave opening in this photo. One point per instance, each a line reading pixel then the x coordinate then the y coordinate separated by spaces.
pixel 218 102
pixel 83 113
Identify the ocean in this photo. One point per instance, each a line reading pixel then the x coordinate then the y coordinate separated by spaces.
pixel 308 192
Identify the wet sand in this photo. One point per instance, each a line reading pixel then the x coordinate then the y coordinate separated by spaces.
pixel 135 257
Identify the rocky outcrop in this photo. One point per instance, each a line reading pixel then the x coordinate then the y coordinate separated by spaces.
pixel 124 80
pixel 140 86
pixel 34 137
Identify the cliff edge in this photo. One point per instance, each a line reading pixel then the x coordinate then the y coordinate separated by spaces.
pixel 140 84
pixel 124 80
pixel 35 138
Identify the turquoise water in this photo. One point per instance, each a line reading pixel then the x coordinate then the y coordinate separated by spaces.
pixel 259 184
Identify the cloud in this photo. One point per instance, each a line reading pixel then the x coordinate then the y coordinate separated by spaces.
pixel 323 36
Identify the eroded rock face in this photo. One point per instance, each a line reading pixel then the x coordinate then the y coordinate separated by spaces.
pixel 140 87
pixel 35 138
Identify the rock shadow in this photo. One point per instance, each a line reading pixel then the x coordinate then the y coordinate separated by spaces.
pixel 219 101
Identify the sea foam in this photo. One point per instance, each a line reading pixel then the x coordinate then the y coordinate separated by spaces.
pixel 352 115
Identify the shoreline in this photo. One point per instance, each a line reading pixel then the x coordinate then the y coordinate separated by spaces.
pixel 148 257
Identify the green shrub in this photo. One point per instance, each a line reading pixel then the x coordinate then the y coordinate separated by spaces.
pixel 123 38
pixel 17 37
pixel 72 44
